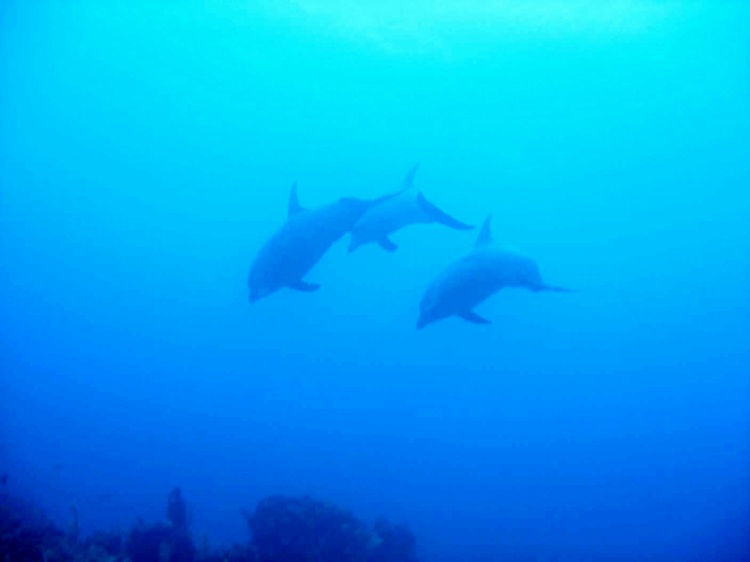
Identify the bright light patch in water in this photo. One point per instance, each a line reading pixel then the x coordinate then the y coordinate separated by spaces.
pixel 423 26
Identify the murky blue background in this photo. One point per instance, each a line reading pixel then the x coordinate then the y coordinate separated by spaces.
pixel 147 150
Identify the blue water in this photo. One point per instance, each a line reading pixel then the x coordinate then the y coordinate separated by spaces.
pixel 146 153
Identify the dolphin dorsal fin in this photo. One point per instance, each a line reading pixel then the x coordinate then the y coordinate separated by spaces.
pixel 293 207
pixel 485 235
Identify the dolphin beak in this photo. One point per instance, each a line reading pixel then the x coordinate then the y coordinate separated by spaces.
pixel 422 322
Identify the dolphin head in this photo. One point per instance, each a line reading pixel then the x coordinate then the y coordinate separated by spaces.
pixel 255 293
pixel 257 286
pixel 430 309
pixel 429 316
pixel 423 320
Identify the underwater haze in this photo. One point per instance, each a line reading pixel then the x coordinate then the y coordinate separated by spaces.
pixel 147 152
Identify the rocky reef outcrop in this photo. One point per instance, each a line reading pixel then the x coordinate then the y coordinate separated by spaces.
pixel 282 529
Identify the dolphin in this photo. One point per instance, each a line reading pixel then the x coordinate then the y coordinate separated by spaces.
pixel 304 238
pixel 469 281
pixel 380 222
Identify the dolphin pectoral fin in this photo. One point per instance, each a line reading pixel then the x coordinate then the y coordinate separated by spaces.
pixel 436 215
pixel 474 318
pixel 293 207
pixel 387 244
pixel 304 286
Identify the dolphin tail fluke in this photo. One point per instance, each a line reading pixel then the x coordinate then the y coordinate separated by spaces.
pixel 436 215
pixel 474 318
pixel 556 289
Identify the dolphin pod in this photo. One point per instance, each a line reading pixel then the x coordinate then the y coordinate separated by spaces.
pixel 408 208
pixel 292 251
pixel 472 279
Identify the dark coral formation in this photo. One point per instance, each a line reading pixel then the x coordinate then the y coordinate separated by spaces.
pixel 284 529
pixel 104 545
pixel 302 529
pixel 287 529
pixel 161 542
pixel 396 543
pixel 25 533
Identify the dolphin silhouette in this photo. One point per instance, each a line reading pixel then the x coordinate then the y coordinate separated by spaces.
pixel 470 280
pixel 380 222
pixel 305 237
